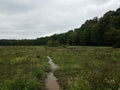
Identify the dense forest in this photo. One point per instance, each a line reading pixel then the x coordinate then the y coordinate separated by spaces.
pixel 104 31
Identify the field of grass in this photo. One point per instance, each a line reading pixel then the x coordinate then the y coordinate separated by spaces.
pixel 22 68
pixel 82 68
pixel 88 68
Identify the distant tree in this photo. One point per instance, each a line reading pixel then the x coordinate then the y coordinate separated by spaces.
pixel 52 43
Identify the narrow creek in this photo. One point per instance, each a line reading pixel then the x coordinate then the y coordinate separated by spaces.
pixel 51 81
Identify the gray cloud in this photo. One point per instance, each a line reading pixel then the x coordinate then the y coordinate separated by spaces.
pixel 36 18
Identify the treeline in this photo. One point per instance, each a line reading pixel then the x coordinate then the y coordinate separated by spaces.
pixel 4 42
pixel 104 31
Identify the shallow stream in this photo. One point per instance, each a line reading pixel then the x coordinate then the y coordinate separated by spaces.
pixel 51 81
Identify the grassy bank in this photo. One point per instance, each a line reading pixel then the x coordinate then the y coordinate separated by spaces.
pixel 22 68
pixel 87 68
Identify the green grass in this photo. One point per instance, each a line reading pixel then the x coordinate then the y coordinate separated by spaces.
pixel 82 68
pixel 22 68
pixel 88 68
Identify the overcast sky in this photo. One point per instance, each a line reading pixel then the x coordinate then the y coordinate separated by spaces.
pixel 27 19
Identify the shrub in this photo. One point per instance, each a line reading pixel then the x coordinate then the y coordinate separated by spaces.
pixel 22 83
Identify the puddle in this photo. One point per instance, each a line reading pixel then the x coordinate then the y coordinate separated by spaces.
pixel 51 81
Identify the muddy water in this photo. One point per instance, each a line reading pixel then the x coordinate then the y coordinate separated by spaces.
pixel 51 81
pixel 52 65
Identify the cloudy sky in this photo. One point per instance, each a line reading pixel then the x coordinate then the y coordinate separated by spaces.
pixel 20 19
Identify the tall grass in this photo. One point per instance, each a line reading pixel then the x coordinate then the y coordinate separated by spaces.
pixel 83 68
pixel 88 68
pixel 22 68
